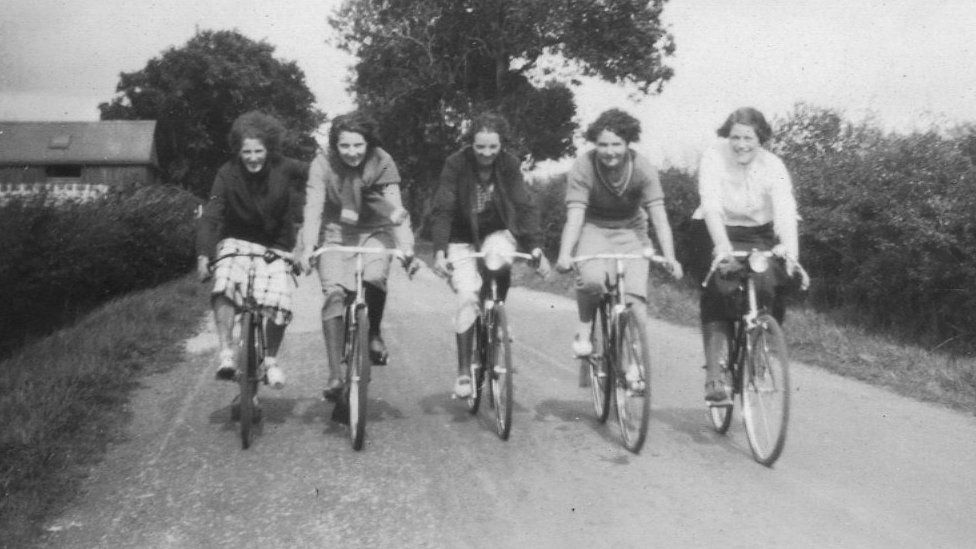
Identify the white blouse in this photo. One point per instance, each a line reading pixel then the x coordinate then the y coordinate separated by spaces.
pixel 748 196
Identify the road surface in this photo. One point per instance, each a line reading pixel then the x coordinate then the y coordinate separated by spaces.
pixel 862 467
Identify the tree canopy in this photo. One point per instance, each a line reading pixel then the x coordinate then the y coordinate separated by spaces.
pixel 196 91
pixel 425 66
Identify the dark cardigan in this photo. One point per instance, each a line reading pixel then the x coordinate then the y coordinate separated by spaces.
pixel 455 197
pixel 264 208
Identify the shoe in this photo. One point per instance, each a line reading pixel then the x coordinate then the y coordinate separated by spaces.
pixel 333 390
pixel 717 391
pixel 462 387
pixel 340 413
pixel 274 373
pixel 582 347
pixel 635 384
pixel 377 350
pixel 227 370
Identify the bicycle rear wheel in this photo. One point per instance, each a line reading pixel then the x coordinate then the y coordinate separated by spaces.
pixel 633 382
pixel 357 379
pixel 248 358
pixel 598 365
pixel 766 390
pixel 477 360
pixel 502 383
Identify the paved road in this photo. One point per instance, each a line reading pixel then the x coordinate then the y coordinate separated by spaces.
pixel 862 467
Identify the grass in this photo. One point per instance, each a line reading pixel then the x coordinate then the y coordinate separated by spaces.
pixel 62 397
pixel 828 341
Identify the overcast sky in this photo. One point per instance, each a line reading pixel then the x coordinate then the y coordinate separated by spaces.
pixel 910 62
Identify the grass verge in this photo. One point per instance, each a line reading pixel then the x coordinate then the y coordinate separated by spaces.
pixel 62 397
pixel 825 340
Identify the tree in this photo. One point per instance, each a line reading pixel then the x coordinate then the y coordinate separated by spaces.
pixel 196 91
pixel 425 66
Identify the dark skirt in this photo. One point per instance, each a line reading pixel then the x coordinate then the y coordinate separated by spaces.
pixel 723 298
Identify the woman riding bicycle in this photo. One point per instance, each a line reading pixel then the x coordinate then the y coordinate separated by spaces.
pixel 353 199
pixel 481 195
pixel 255 205
pixel 746 202
pixel 611 191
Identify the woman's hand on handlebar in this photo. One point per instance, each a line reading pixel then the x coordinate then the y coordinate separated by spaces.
pixel 203 268
pixel 441 266
pixel 541 263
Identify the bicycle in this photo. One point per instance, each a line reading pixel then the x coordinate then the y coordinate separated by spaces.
pixel 759 367
pixel 619 368
pixel 355 353
pixel 492 342
pixel 251 344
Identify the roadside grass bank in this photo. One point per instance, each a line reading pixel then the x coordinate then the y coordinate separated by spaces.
pixel 824 340
pixel 63 397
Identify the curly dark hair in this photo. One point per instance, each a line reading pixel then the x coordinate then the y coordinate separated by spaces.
pixel 489 122
pixel 355 122
pixel 257 125
pixel 750 117
pixel 616 121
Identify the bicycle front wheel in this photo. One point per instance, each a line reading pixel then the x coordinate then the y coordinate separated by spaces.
pixel 633 384
pixel 597 364
pixel 357 379
pixel 502 383
pixel 247 374
pixel 766 390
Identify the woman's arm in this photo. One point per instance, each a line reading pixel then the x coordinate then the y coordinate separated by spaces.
pixel 662 228
pixel 709 192
pixel 314 203
pixel 575 215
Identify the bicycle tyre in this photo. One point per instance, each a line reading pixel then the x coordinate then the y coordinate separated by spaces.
pixel 246 372
pixel 598 365
pixel 766 390
pixel 476 365
pixel 501 375
pixel 357 375
pixel 633 406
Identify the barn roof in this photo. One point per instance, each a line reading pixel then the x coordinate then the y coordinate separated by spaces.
pixel 112 142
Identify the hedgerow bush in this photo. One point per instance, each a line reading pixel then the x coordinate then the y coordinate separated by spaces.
pixel 889 223
pixel 58 260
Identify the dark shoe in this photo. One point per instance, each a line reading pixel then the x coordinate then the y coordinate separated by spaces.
pixel 377 350
pixel 227 371
pixel 333 390
pixel 340 413
pixel 717 391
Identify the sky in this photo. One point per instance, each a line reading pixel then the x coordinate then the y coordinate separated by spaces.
pixel 907 63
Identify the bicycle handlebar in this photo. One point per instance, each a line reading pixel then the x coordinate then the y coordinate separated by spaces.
pixel 478 255
pixel 740 254
pixel 652 258
pixel 358 250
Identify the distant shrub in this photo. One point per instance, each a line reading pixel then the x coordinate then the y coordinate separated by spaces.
pixel 59 260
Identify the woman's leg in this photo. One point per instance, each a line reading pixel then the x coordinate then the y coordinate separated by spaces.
pixel 716 335
pixel 224 310
pixel 376 303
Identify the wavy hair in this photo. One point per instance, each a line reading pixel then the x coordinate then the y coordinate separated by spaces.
pixel 354 122
pixel 489 122
pixel 616 121
pixel 257 125
pixel 749 117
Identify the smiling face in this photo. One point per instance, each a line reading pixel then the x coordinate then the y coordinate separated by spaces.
pixel 744 142
pixel 253 154
pixel 351 147
pixel 486 147
pixel 610 149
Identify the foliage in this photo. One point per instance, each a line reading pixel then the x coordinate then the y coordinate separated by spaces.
pixel 57 261
pixel 196 91
pixel 426 66
pixel 888 229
